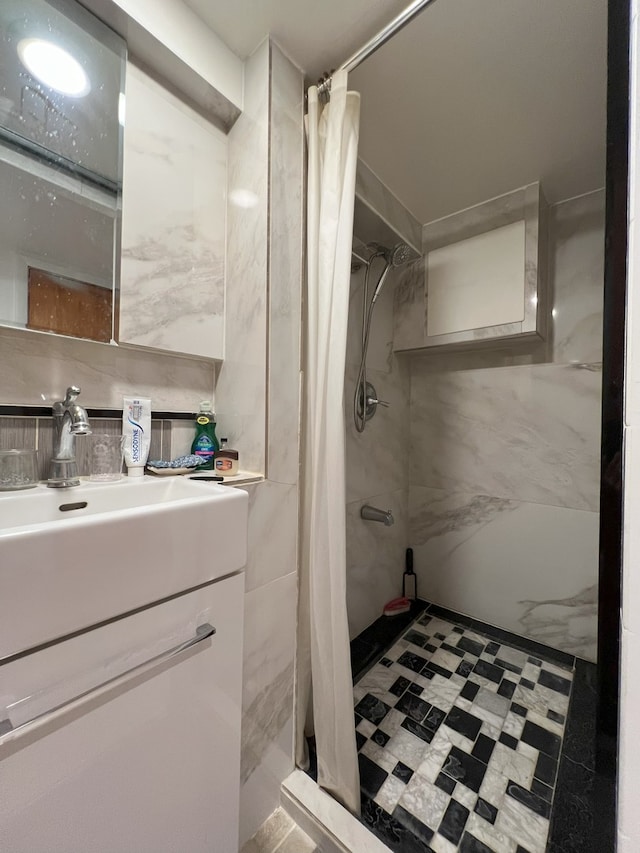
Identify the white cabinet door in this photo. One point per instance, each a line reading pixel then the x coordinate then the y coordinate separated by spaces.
pixel 149 766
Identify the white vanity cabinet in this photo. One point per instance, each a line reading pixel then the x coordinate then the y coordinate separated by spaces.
pixel 149 763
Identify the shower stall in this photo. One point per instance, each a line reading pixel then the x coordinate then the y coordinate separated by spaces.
pixel 475 707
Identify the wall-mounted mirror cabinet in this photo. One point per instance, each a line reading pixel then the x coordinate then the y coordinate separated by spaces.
pixel 111 233
pixel 61 145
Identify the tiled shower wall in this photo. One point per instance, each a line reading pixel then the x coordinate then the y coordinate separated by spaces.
pixel 505 448
pixel 376 460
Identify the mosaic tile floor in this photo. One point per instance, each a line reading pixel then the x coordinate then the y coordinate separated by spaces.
pixel 459 739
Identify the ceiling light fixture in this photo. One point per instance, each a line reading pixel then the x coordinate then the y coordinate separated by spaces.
pixel 54 67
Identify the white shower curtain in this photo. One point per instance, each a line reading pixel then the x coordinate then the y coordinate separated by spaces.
pixel 325 695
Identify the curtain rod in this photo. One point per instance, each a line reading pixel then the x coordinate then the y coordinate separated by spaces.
pixel 401 20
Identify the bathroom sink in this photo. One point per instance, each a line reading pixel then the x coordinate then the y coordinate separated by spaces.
pixel 74 557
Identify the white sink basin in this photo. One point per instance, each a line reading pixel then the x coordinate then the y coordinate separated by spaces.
pixel 70 558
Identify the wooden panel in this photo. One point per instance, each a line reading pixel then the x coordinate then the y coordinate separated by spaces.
pixel 68 307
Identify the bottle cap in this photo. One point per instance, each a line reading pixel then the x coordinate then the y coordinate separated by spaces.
pixel 135 472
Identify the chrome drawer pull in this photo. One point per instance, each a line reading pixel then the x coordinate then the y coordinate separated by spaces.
pixel 9 733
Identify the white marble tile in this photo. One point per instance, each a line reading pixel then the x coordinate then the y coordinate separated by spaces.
pixel 576 259
pixel 527 828
pixel 489 835
pixel 392 722
pixel 375 559
pixel 512 765
pixel 435 756
pixel 527 433
pixel 173 224
pixel 296 842
pixel 39 367
pixel 285 266
pixel 529 568
pixel 389 794
pixel 272 533
pixel 378 680
pixel 267 725
pixel 381 756
pixel 366 727
pixel 493 787
pixel 409 327
pixel 241 384
pixel 442 845
pixel 407 748
pixel 424 800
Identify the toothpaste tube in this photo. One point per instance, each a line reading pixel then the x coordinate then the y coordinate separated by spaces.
pixel 136 428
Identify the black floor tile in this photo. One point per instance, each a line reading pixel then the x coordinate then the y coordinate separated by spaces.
pixel 542 790
pixel 546 769
pixel 413 706
pixel 380 737
pixel 508 740
pixel 372 777
pixel 445 783
pixel 541 739
pixel 580 731
pixel 529 799
pixel 372 708
pixel 510 666
pixel 434 718
pixel 465 668
pixel 489 671
pixel 423 832
pixel 470 844
pixel 486 810
pixel 525 682
pixel 554 682
pixel 469 691
pixel 418 730
pixel 483 749
pixel 416 638
pixel 464 768
pixel 572 823
pixel 438 670
pixel 518 709
pixel 360 740
pixel 555 717
pixel 412 661
pixel 416 689
pixel 369 646
pixel 390 831
pixel 403 772
pixel 464 722
pixel 507 688
pixel 454 651
pixel 454 821
pixel 471 646
pixel 492 649
pixel 399 686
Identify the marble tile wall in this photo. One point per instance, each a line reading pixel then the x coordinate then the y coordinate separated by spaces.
pixel 258 404
pixel 241 388
pixel 173 224
pixel 376 461
pixel 505 454
pixel 37 368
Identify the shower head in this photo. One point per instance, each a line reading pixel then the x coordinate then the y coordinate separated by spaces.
pixel 400 254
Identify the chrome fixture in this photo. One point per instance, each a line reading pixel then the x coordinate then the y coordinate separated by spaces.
pixel 400 254
pixel 70 419
pixel 371 403
pixel 372 513
pixel 400 21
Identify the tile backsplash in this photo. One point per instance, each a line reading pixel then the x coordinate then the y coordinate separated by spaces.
pixel 36 433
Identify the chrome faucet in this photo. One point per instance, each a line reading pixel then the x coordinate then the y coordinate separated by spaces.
pixel 372 513
pixel 70 419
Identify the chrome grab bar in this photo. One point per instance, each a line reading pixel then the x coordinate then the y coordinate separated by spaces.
pixel 9 733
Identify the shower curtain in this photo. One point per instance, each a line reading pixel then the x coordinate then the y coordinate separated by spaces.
pixel 324 688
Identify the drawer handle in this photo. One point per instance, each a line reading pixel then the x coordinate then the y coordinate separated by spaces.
pixel 9 733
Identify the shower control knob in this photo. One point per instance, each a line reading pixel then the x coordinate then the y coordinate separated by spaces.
pixel 373 401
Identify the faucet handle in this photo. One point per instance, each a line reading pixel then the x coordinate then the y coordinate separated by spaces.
pixel 72 392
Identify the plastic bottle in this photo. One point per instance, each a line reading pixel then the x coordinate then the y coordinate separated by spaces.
pixel 205 443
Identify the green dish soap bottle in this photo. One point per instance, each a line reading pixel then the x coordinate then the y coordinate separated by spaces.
pixel 205 443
